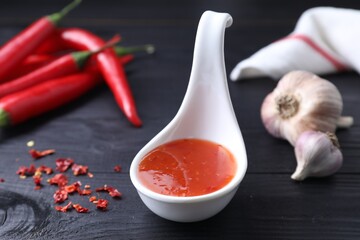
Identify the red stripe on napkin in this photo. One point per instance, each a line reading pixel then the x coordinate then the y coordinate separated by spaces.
pixel 337 64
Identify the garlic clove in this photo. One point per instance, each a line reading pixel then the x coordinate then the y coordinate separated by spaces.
pixel 317 155
pixel 301 102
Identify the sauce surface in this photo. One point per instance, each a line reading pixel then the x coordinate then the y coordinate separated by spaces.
pixel 187 167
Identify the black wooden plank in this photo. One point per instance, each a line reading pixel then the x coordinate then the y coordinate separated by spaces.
pixel 266 206
pixel 92 130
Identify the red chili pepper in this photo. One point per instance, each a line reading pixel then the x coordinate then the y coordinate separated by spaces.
pixel 51 45
pixel 24 43
pixel 126 59
pixel 34 62
pixel 55 43
pixel 41 98
pixel 109 66
pixel 68 64
pixel 31 63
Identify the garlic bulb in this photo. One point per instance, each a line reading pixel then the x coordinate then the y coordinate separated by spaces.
pixel 317 155
pixel 302 101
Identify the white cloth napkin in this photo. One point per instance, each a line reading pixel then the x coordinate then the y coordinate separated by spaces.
pixel 325 40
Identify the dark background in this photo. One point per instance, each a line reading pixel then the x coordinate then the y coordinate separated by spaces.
pixel 93 131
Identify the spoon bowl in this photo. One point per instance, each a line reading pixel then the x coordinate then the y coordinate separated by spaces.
pixel 205 113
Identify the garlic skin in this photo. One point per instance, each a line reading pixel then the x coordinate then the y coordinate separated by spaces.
pixel 317 155
pixel 301 102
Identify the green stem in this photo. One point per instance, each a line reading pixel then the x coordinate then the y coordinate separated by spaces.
pixel 81 57
pixel 4 118
pixel 55 18
pixel 121 51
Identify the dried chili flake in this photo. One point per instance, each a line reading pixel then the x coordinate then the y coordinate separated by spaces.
pixel 39 154
pixel 63 164
pixel 112 191
pixel 37 180
pixel 90 175
pixel 79 169
pixel 80 209
pixel 87 186
pixel 2 180
pixel 64 208
pixel 59 179
pixel 45 169
pixel 60 195
pixel 73 187
pixel 84 191
pixel 117 168
pixel 26 171
pixel 92 199
pixel 102 204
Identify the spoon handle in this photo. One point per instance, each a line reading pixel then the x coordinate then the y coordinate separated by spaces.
pixel 207 104
pixel 208 60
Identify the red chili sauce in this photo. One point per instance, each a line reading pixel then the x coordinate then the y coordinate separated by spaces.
pixel 187 167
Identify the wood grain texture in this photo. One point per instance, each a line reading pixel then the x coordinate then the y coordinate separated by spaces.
pixel 93 131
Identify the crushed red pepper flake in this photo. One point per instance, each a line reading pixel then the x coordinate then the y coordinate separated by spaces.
pixel 92 199
pixel 60 195
pixel 102 204
pixel 26 171
pixel 39 154
pixel 64 208
pixel 112 191
pixel 37 179
pixel 84 191
pixel 79 169
pixel 59 179
pixel 117 168
pixel 80 209
pixel 73 187
pixel 45 169
pixel 63 164
pixel 2 180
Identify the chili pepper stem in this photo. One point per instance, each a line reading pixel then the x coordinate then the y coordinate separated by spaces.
pixel 4 118
pixel 81 57
pixel 148 48
pixel 55 18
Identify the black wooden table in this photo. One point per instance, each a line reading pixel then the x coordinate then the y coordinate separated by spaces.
pixel 93 131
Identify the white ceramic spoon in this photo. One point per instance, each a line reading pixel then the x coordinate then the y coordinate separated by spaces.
pixel 206 113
